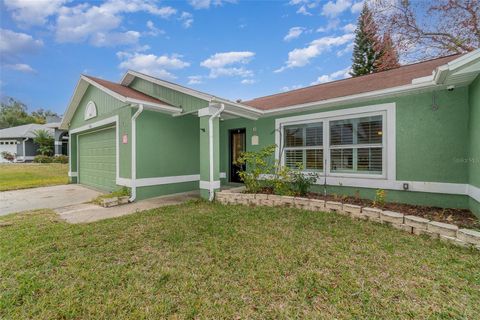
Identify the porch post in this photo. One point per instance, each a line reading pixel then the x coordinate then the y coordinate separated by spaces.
pixel 209 182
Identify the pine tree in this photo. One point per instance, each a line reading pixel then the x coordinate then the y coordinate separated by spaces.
pixel 388 54
pixel 366 45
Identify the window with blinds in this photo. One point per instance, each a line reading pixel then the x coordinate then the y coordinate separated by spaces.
pixel 356 145
pixel 303 145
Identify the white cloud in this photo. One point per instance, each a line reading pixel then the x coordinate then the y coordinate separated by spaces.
pixel 98 24
pixel 22 67
pixel 340 74
pixel 222 59
pixel 248 81
pixel 14 43
pixel 159 66
pixel 205 4
pixel 357 7
pixel 348 48
pixel 293 33
pixel 153 30
pixel 33 12
pixel 229 64
pixel 331 25
pixel 303 10
pixel 290 88
pixel 187 19
pixel 334 8
pixel 349 27
pixel 195 79
pixel 301 56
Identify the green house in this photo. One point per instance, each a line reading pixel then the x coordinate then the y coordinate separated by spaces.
pixel 413 131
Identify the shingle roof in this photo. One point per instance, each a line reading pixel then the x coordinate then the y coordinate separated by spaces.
pixel 25 131
pixel 341 88
pixel 126 91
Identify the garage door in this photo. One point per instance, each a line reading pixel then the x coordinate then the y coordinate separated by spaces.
pixel 96 155
pixel 7 146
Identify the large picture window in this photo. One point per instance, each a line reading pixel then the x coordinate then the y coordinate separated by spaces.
pixel 349 144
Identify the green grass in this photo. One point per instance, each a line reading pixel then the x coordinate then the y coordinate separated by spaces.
pixel 207 261
pixel 31 175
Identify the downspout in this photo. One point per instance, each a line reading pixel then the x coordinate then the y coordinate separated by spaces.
pixel 23 147
pixel 210 137
pixel 134 154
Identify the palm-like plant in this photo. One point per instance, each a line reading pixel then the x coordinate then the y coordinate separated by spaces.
pixel 44 140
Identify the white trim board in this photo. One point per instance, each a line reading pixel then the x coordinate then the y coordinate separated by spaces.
pixel 146 182
pixel 473 192
pixel 206 184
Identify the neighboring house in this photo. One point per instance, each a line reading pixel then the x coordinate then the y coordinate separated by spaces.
pixel 413 131
pixel 19 140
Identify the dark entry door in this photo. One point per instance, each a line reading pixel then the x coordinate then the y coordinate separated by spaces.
pixel 237 146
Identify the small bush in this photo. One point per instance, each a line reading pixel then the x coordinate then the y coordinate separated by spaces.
pixel 42 159
pixel 257 163
pixel 7 156
pixel 303 181
pixel 282 181
pixel 380 198
pixel 60 159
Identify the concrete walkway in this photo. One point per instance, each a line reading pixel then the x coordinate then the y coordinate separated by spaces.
pixel 85 213
pixel 45 198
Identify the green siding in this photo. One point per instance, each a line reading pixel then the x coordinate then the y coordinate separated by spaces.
pixel 106 107
pixel 167 146
pixel 96 153
pixel 175 98
pixel 429 143
pixel 160 190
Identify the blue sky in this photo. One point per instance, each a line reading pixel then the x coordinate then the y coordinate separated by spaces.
pixel 233 49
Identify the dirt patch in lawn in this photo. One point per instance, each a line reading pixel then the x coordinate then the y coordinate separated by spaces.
pixel 463 218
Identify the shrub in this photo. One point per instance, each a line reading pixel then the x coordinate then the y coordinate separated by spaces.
pixel 60 159
pixel 282 181
pixel 44 140
pixel 257 163
pixel 303 181
pixel 42 159
pixel 380 198
pixel 7 156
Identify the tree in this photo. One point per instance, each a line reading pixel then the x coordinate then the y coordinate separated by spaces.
pixel 388 58
pixel 44 140
pixel 14 113
pixel 427 29
pixel 366 45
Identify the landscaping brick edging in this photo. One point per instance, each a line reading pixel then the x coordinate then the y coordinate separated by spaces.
pixel 114 201
pixel 411 224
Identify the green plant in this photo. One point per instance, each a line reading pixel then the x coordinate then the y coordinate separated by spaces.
pixel 7 156
pixel 42 159
pixel 60 159
pixel 122 192
pixel 257 164
pixel 282 181
pixel 44 140
pixel 302 181
pixel 380 197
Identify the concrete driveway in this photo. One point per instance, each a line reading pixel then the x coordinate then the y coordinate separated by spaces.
pixel 45 198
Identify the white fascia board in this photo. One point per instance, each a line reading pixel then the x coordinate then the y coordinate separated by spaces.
pixel 464 60
pixel 102 88
pixel 242 107
pixel 155 106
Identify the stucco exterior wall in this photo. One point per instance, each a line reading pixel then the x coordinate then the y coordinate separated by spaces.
pixel 429 143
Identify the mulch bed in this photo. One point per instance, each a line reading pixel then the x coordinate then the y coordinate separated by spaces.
pixel 463 218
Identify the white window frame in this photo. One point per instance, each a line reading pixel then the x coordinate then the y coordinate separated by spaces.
pixel 304 148
pixel 388 113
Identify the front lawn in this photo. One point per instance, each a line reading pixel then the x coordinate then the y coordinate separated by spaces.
pixel 30 175
pixel 200 260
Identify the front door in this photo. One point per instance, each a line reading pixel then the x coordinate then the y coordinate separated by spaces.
pixel 237 146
